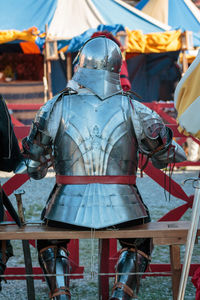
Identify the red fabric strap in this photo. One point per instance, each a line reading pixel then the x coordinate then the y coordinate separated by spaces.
pixel 129 179
pixel 173 188
pixel 14 183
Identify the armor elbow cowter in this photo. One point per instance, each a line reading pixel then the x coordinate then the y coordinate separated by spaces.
pixel 37 149
pixel 162 149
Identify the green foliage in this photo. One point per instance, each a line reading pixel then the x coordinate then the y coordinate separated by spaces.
pixel 8 72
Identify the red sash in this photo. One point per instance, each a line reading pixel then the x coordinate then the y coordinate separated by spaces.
pixel 126 179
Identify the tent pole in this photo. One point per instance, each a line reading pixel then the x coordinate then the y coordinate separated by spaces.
pixel 45 78
pixel 47 66
pixel 187 44
pixel 45 81
pixel 69 66
pixel 49 78
pixel 191 237
pixel 185 62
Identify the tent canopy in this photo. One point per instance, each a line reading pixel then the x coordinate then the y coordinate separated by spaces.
pixel 21 15
pixel 69 19
pixel 179 14
pixel 72 18
pixel 72 22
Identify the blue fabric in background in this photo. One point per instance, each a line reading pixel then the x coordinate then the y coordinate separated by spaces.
pixel 77 42
pixel 22 15
pixel 148 73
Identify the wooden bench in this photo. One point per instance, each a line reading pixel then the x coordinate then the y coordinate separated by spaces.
pixel 173 234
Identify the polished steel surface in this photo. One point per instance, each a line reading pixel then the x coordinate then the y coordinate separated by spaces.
pixel 94 138
pixel 100 141
pixel 54 261
pixel 100 63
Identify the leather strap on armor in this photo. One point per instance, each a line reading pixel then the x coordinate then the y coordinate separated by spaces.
pixel 62 179
pixel 60 291
pixel 54 260
pixel 159 148
pixel 48 247
pixel 136 251
pixel 126 289
pixel 130 264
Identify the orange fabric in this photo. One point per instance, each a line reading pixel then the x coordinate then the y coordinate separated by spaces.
pixel 29 48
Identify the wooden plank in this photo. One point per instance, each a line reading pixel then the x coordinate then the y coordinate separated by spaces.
pixel 170 240
pixel 13 103
pixel 25 115
pixel 154 229
pixel 21 87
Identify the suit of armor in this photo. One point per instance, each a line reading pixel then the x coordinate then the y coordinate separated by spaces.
pixel 95 135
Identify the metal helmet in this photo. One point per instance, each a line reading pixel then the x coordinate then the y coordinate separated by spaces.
pixel 100 61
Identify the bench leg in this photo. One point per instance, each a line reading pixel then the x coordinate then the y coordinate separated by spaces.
pixel 175 269
pixel 104 250
pixel 29 270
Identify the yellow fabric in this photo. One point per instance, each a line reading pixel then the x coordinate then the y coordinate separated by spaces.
pixel 190 58
pixel 183 131
pixel 137 41
pixel 11 35
pixel 154 42
pixel 187 96
pixel 158 9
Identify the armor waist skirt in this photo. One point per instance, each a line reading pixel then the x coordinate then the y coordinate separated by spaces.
pixel 94 205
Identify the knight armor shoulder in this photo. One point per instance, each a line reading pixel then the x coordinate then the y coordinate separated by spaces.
pixel 39 153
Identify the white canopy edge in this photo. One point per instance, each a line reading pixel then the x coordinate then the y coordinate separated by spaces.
pixel 194 9
pixel 143 15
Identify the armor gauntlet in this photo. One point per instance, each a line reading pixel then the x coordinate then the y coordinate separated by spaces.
pixel 37 149
pixel 154 138
pixel 158 144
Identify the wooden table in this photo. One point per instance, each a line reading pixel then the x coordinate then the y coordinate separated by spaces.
pixel 173 234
